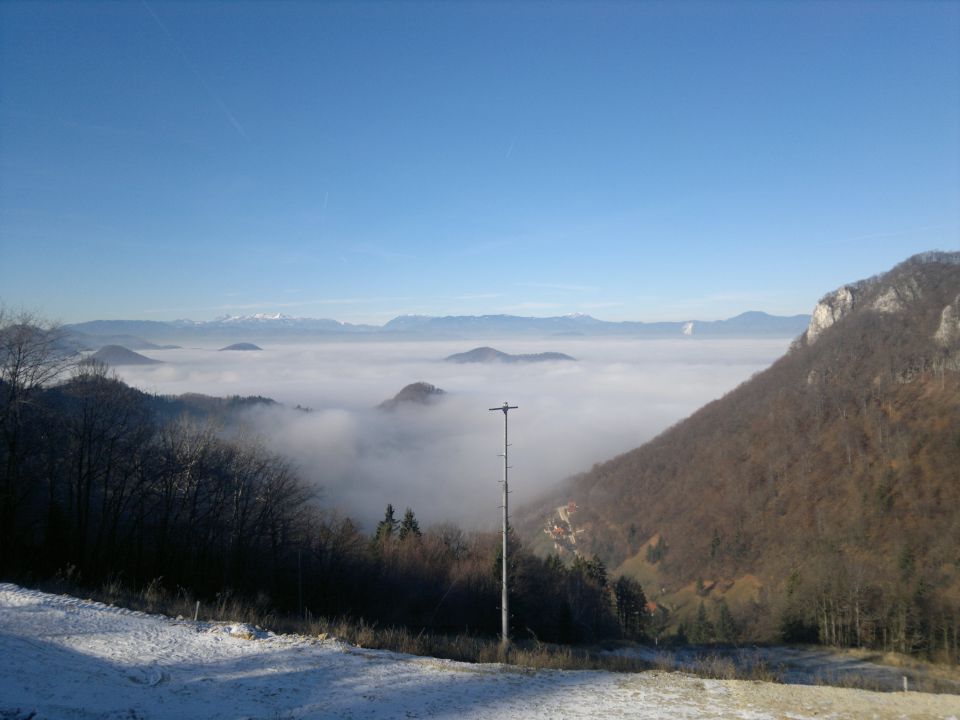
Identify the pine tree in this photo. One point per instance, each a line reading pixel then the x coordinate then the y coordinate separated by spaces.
pixel 656 552
pixel 409 525
pixel 386 527
pixel 631 606
pixel 555 565
pixel 715 543
pixel 597 571
pixel 703 629
pixel 726 627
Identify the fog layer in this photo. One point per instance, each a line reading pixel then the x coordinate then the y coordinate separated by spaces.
pixel 442 459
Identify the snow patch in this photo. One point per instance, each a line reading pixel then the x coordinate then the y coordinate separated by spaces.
pixel 61 657
pixel 243 631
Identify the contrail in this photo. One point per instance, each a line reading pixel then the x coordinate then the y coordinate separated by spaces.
pixel 213 96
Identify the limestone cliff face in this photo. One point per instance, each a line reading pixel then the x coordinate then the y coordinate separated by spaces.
pixel 896 297
pixel 893 292
pixel 831 308
pixel 948 331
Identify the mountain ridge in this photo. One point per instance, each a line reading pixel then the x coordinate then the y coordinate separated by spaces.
pixel 747 324
pixel 819 499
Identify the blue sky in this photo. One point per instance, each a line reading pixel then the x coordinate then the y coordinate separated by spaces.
pixel 361 160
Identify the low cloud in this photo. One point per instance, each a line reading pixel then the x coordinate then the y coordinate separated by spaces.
pixel 442 459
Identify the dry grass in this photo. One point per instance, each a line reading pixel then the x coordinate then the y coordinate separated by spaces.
pixel 526 654
pixel 155 598
pixel 719 667
pixel 469 648
pixel 915 683
pixel 724 668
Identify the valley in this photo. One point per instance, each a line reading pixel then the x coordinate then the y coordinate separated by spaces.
pixel 272 274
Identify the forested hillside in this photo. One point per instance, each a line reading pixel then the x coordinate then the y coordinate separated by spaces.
pixel 101 484
pixel 818 501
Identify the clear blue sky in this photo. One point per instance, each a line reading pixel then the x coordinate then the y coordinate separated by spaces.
pixel 360 160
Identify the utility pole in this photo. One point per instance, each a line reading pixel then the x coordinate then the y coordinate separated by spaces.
pixel 504 598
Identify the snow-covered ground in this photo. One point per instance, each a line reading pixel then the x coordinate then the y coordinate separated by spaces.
pixel 809 665
pixel 61 657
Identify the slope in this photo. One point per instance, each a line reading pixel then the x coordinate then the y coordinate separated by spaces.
pixel 63 657
pixel 820 499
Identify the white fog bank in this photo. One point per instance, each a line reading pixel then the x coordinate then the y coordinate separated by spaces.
pixel 441 459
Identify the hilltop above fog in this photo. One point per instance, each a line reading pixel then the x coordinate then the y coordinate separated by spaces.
pixel 489 355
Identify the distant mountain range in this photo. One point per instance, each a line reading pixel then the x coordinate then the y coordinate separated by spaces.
pixel 748 324
pixel 143 333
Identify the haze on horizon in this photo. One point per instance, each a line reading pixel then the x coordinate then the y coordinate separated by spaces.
pixel 441 459
pixel 358 161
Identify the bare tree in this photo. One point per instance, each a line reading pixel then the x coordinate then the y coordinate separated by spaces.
pixel 32 355
pixel 107 429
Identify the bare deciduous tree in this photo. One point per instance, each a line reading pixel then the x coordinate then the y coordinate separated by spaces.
pixel 32 355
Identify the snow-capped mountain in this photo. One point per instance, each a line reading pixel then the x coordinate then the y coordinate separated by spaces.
pixel 281 326
pixel 749 324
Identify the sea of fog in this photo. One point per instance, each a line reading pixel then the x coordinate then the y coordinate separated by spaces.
pixel 442 459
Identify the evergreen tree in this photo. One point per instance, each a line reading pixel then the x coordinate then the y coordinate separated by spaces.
pixel 409 525
pixel 597 571
pixel 632 539
pixel 631 606
pixel 555 565
pixel 588 592
pixel 726 627
pixel 702 631
pixel 656 552
pixel 386 527
pixel 681 637
pixel 715 545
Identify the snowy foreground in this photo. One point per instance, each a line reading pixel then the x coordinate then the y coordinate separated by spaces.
pixel 61 657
